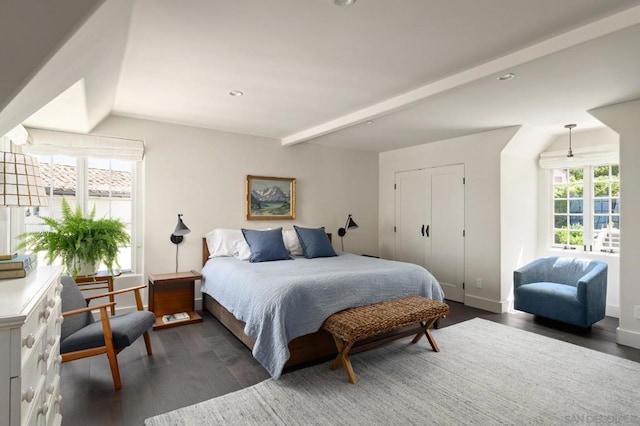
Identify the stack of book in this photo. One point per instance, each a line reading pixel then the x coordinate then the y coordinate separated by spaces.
pixel 180 316
pixel 17 265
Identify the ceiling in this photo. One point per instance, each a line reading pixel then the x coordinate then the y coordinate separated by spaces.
pixel 310 71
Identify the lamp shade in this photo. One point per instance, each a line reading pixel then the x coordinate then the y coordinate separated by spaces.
pixel 178 235
pixel 20 181
pixel 351 224
pixel 181 228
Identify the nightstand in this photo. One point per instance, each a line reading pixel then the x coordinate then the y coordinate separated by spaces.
pixel 173 293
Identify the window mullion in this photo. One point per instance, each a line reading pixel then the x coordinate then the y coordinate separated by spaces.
pixel 82 184
pixel 588 206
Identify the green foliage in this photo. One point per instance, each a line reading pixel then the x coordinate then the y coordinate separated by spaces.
pixel 78 240
pixel 576 175
pixel 283 209
pixel 570 237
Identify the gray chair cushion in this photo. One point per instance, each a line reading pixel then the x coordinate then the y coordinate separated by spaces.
pixel 72 299
pixel 126 328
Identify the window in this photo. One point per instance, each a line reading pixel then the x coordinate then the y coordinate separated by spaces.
pixel 586 208
pixel 104 184
pixel 606 208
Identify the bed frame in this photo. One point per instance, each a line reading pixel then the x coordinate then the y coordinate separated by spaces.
pixel 304 350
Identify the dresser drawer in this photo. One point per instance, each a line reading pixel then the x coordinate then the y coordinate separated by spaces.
pixel 53 400
pixel 30 400
pixel 30 336
pixel 44 316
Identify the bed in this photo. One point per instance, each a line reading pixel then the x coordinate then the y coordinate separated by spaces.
pixel 277 308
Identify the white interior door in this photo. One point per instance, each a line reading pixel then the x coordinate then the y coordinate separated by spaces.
pixel 412 215
pixel 429 206
pixel 447 230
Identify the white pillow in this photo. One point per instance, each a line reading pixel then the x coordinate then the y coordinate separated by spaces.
pixel 243 251
pixel 222 242
pixel 291 242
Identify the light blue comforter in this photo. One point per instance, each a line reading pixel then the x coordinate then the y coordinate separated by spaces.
pixel 282 300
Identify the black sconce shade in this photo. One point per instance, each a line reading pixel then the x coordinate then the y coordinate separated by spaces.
pixel 180 231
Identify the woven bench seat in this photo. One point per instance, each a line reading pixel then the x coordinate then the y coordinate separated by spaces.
pixel 355 324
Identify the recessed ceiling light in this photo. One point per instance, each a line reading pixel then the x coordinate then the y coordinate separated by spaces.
pixel 369 122
pixel 343 2
pixel 505 77
pixel 236 93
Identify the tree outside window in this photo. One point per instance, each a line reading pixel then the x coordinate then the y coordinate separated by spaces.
pixel 568 207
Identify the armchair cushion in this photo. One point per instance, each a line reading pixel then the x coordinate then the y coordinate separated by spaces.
pixel 125 328
pixel 563 289
pixel 73 299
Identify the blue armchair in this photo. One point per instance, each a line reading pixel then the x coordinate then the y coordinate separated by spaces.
pixel 569 290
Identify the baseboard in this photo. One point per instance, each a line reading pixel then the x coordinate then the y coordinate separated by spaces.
pixel 495 306
pixel 612 311
pixel 628 338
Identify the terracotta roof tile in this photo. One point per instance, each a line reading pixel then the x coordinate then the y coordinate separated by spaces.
pixel 100 181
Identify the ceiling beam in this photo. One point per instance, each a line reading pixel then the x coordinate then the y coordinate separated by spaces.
pixel 591 31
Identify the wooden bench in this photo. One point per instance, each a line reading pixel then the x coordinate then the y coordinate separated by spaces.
pixel 355 324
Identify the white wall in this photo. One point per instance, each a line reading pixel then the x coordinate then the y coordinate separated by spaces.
pixel 519 205
pixel 202 174
pixel 480 154
pixel 518 188
pixel 579 140
pixel 624 119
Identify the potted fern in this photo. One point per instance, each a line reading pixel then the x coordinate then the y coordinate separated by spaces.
pixel 80 242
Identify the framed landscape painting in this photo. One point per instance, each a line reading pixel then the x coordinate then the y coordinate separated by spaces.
pixel 271 198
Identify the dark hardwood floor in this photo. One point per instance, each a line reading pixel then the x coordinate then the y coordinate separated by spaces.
pixel 197 362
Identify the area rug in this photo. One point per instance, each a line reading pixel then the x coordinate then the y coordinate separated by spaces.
pixel 486 373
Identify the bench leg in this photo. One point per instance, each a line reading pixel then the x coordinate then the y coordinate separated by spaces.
pixel 427 332
pixel 343 358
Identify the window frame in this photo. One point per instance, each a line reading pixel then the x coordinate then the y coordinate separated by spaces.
pixel 83 200
pixel 588 208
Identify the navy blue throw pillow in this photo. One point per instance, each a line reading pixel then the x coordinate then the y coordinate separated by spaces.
pixel 314 242
pixel 266 245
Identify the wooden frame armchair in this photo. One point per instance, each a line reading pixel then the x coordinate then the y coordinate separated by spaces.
pixel 82 336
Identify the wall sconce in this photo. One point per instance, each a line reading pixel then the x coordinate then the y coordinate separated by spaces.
pixel 351 224
pixel 178 235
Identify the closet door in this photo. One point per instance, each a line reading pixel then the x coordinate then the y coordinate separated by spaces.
pixel 429 227
pixel 447 230
pixel 412 190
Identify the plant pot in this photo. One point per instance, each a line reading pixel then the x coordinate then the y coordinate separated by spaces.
pixel 85 268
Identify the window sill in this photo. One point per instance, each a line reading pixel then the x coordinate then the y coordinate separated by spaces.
pixel 582 253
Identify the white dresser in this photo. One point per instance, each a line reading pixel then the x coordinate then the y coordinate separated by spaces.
pixel 30 348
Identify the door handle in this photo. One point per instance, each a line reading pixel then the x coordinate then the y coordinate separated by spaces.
pixel 422 230
pixel 427 230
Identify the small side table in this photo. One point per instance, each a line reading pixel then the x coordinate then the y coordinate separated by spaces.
pixel 99 281
pixel 173 293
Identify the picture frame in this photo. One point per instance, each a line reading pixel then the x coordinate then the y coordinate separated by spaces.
pixel 270 198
